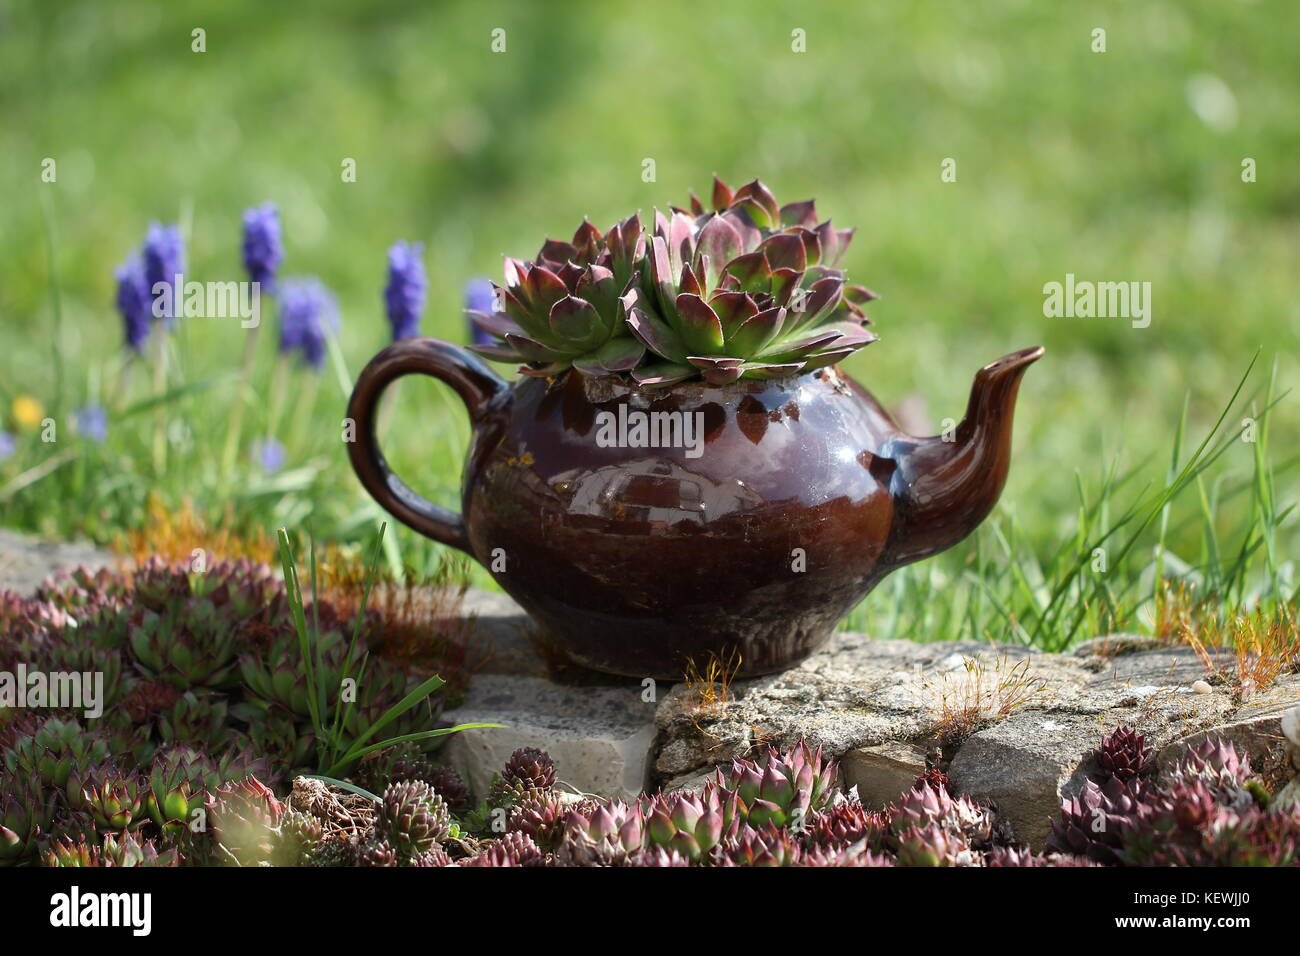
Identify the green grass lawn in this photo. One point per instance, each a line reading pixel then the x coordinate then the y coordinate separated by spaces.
pixel 1115 166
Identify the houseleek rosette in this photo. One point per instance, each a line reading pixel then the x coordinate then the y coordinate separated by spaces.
pixel 745 289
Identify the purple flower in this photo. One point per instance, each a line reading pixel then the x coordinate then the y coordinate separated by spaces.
pixel 92 421
pixel 404 294
pixel 134 302
pixel 479 297
pixel 7 445
pixel 164 261
pixel 263 251
pixel 269 454
pixel 308 313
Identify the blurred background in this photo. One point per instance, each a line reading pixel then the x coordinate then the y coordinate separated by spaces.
pixel 1123 165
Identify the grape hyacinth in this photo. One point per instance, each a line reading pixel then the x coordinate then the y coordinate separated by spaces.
pixel 308 313
pixel 269 454
pixel 164 261
pixel 92 422
pixel 133 302
pixel 405 291
pixel 262 249
pixel 479 297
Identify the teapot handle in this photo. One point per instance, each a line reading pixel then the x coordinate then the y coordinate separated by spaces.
pixel 472 379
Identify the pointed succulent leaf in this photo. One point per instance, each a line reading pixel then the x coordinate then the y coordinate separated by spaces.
pixel 784 282
pixel 756 191
pixel 767 370
pixel 718 240
pixel 859 294
pixel 799 214
pixel 751 271
pixel 497 351
pixel 662 374
pixel 575 320
pixel 516 270
pixel 616 355
pixel 586 243
pixel 822 299
pixel 754 334
pixel 556 252
pixel 750 234
pixel 542 289
pixel 689 281
pixel 812 246
pixel 656 334
pixel 661 275
pixel 722 195
pixel 681 244
pixel 842 239
pixel 598 287
pixel 757 214
pixel 785 251
pixel 494 323
pixel 532 350
pixel 718 370
pixel 800 345
pixel 550 370
pixel 733 309
pixel 699 325
pixel 822 359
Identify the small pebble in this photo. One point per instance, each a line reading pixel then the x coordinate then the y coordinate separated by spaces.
pixel 1201 687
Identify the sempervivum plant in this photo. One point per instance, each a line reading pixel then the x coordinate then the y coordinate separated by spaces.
pixel 745 289
pixel 603 835
pixel 541 815
pixel 53 752
pixel 245 817
pixel 1124 754
pixel 24 812
pixel 412 818
pixel 116 850
pixel 846 821
pixel 693 826
pixel 530 769
pixel 782 788
pixel 925 804
pixel 758 846
pixel 115 799
pixel 513 849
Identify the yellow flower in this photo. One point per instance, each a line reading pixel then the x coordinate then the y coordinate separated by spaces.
pixel 27 412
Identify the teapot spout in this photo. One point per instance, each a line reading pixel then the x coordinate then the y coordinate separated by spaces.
pixel 944 486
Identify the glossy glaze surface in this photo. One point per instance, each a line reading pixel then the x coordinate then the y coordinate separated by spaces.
pixel 800 497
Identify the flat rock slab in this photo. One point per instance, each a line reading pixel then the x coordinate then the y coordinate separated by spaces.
pixel 600 737
pixel 25 562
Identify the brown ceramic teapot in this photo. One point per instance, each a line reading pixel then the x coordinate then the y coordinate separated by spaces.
pixel 645 528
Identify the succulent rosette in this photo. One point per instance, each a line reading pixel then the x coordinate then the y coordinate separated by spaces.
pixel 568 307
pixel 745 289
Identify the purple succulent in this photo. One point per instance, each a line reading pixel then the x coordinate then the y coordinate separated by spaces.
pixel 92 421
pixel 164 261
pixel 405 292
pixel 479 297
pixel 134 302
pixel 262 248
pixel 309 312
